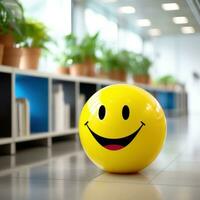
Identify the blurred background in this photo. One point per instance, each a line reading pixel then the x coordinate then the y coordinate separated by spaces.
pixel 55 54
pixel 165 33
pixel 151 43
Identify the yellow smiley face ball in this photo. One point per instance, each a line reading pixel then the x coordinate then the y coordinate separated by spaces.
pixel 122 128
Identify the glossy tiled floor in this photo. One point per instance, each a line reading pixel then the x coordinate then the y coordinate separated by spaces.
pixel 64 172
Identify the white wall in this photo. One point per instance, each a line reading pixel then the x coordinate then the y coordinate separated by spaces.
pixel 179 56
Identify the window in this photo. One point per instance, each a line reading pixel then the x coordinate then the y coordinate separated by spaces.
pixel 130 41
pixel 56 15
pixel 96 22
pixel 109 32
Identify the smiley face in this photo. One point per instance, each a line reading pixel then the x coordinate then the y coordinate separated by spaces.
pixel 122 128
pixel 114 143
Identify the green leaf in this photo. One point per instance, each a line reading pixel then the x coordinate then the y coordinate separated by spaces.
pixel 167 80
pixel 11 12
pixel 78 52
pixel 34 34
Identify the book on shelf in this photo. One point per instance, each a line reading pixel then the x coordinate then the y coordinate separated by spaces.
pixel 81 102
pixel 23 117
pixel 67 117
pixel 61 110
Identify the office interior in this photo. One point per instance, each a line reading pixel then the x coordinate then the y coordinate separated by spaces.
pixel 56 55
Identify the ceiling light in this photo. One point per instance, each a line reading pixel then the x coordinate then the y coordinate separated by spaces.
pixel 180 20
pixel 127 9
pixel 187 30
pixel 170 6
pixel 154 32
pixel 143 22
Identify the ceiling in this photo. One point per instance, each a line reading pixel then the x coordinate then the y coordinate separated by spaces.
pixel 152 10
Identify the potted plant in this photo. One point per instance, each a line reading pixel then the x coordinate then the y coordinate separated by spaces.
pixel 10 16
pixel 63 67
pixel 167 81
pixel 81 56
pixel 33 40
pixel 88 46
pixel 112 65
pixel 139 67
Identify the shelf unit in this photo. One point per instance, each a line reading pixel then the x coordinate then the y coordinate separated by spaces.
pixel 37 87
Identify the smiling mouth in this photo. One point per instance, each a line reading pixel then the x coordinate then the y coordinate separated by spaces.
pixel 114 143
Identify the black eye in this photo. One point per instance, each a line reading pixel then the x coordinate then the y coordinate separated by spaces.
pixel 102 112
pixel 125 112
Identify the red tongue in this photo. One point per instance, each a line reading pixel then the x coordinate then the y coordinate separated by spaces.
pixel 113 146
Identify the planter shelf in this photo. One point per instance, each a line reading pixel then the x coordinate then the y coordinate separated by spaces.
pixel 38 88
